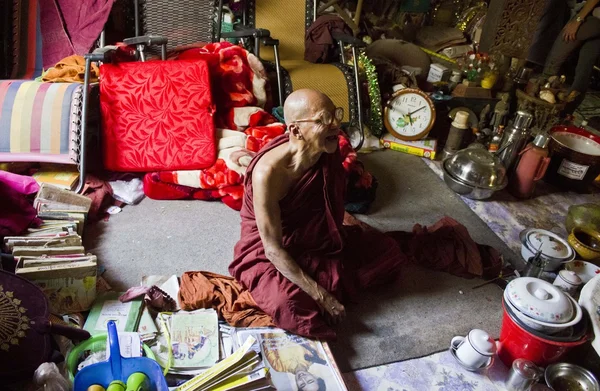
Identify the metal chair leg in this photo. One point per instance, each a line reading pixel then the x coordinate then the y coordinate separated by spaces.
pixel 342 53
pixel 136 11
pixel 358 99
pixel 278 71
pixel 84 119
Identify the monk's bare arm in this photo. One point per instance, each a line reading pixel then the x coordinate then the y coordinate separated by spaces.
pixel 269 187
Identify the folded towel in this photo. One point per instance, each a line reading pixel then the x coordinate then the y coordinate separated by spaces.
pixel 70 70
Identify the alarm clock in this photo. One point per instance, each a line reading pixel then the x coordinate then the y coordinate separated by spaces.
pixel 409 114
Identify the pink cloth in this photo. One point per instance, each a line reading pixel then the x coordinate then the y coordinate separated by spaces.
pixel 16 211
pixel 70 27
pixel 20 183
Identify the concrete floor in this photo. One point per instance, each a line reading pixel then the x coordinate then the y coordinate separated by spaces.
pixel 171 237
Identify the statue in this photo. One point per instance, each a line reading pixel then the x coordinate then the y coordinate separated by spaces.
pixel 500 110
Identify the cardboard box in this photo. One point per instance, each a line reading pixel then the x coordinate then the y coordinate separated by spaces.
pixel 423 148
pixel 438 72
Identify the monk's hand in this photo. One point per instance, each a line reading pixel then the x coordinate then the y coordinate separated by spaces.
pixel 331 308
pixel 570 30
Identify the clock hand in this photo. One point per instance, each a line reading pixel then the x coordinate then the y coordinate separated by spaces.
pixel 419 109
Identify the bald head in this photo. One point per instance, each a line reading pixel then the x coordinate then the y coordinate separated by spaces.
pixel 305 103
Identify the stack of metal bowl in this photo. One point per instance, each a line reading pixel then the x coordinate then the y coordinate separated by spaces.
pixel 475 173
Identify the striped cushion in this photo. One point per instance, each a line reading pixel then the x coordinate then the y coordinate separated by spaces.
pixel 38 121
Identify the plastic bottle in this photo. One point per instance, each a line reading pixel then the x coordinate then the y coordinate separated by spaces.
pixel 458 131
pixel 531 168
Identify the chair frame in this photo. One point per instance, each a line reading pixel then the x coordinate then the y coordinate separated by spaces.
pixel 350 73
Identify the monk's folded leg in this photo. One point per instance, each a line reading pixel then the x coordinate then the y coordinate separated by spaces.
pixel 291 308
pixel 374 257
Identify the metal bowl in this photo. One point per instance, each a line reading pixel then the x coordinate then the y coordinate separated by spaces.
pixel 477 167
pixel 467 190
pixel 563 376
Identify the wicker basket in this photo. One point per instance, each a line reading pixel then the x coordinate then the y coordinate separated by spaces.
pixel 545 114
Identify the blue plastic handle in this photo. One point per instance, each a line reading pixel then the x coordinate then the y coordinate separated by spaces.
pixel 115 351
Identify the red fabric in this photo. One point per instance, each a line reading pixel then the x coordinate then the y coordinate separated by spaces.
pixel 159 190
pixel 239 118
pixel 447 246
pixel 312 214
pixel 236 74
pixel 157 115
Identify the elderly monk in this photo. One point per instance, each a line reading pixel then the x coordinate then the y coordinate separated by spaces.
pixel 295 256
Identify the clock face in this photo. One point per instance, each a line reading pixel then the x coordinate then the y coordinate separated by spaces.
pixel 409 115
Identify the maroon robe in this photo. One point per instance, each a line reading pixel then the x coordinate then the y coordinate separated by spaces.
pixel 312 215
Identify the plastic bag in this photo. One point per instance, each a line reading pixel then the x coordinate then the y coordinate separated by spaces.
pixel 47 377
pixel 130 192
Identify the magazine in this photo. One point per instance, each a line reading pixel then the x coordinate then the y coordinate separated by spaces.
pixel 294 362
pixel 195 339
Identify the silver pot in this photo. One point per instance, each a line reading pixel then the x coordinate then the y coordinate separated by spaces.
pixel 563 376
pixel 477 167
pixel 470 191
pixel 474 173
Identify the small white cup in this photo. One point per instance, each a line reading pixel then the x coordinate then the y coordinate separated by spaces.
pixel 475 349
pixel 568 281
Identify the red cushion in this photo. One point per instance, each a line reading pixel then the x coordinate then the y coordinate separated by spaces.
pixel 157 115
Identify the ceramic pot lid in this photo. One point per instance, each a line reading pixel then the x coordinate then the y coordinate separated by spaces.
pixel 550 244
pixel 570 277
pixel 482 342
pixel 540 300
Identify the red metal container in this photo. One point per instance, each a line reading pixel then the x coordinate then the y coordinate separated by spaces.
pixel 516 342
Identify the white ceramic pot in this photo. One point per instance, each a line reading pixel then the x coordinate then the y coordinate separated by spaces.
pixel 540 300
pixel 544 327
pixel 555 250
pixel 474 350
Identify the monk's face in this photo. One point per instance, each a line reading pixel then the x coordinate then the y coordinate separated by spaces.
pixel 322 134
pixel 306 381
pixel 313 120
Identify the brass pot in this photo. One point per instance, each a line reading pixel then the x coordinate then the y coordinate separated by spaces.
pixel 586 243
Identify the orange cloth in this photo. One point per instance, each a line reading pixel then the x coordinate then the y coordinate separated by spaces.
pixel 70 70
pixel 232 302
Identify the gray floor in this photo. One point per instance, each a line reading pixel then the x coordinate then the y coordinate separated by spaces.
pixel 415 317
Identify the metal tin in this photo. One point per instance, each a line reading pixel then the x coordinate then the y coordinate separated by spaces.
pixel 522 376
pixel 514 139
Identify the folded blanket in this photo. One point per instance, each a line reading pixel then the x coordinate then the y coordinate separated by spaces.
pixel 239 78
pixel 70 70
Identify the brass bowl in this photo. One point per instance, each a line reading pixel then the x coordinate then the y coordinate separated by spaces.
pixel 586 243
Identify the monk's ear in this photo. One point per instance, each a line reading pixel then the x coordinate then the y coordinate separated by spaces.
pixel 295 131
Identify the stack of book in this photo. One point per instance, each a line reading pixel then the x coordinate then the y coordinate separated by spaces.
pixel 244 370
pixel 52 255
pixel 64 177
